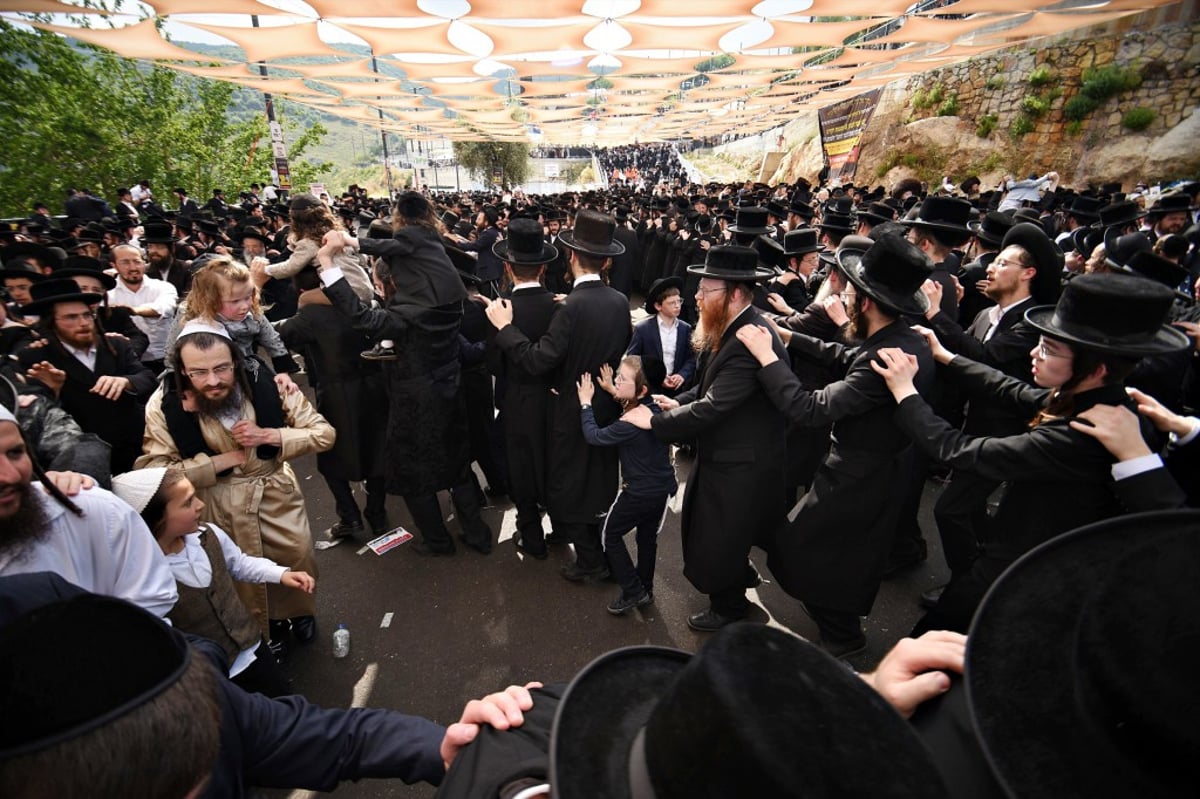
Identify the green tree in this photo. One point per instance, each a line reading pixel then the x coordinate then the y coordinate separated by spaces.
pixel 487 158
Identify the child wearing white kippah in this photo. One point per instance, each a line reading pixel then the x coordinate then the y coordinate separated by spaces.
pixel 205 561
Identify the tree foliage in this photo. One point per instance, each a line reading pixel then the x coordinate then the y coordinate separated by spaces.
pixel 73 115
pixel 491 159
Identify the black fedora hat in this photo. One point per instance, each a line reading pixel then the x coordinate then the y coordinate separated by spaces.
pixel 849 252
pixel 1118 248
pixel 1122 213
pixel 991 229
pixel 1085 208
pixel 732 262
pixel 877 213
pixel 593 234
pixel 801 241
pixel 1163 271
pixel 777 209
pixel 93 233
pixel 1112 313
pixel 48 293
pixel 946 215
pixel 1087 239
pixel 251 232
pixel 757 712
pixel 654 295
pixel 83 266
pixel 1097 696
pixel 524 244
pixel 27 249
pixel 211 228
pixel 891 272
pixel 751 220
pixel 14 268
pixel 1171 203
pixel 770 251
pixel 839 223
pixel 1047 259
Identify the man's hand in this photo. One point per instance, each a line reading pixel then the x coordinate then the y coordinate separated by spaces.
pixel 502 710
pixel 835 309
pixel 248 434
pixel 1163 417
pixel 639 416
pixel 120 336
pixel 1116 428
pixel 111 387
pixel 499 313
pixel 898 369
pixel 229 460
pixel 258 272
pixel 301 581
pixel 70 483
pixel 940 353
pixel 664 402
pixel 760 342
pixel 776 302
pixel 933 292
pixel 284 381
pixel 1192 329
pixel 339 238
pixel 673 381
pixel 48 375
pixel 914 671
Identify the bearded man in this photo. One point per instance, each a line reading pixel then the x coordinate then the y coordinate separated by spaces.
pixel 93 539
pixel 232 431
pixel 736 493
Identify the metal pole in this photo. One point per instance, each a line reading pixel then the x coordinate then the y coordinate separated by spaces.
pixel 281 174
pixel 387 167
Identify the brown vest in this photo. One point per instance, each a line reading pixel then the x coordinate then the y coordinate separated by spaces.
pixel 216 612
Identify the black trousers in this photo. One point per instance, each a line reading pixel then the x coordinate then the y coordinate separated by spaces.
pixel 645 512
pixel 962 596
pixel 836 626
pixel 263 676
pixel 347 506
pixel 427 515
pixel 589 554
pixel 961 514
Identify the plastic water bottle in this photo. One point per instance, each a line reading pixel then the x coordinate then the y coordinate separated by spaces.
pixel 341 641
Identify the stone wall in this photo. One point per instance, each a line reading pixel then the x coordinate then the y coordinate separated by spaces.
pixel 1004 113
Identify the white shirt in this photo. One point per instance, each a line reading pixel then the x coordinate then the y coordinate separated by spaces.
pixel 109 550
pixel 531 284
pixel 192 568
pixel 668 334
pixel 585 278
pixel 162 297
pixel 995 314
pixel 86 357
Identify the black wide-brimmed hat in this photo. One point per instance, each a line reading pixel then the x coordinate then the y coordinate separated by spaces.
pixel 48 293
pixel 891 272
pixel 801 241
pixel 251 232
pixel 27 249
pixel 732 262
pixel 211 228
pixel 593 234
pixel 991 229
pixel 849 252
pixel 92 232
pixel 1120 214
pixel 158 233
pixel 1085 208
pixel 1080 663
pixel 524 244
pixel 947 215
pixel 770 251
pixel 1171 203
pixel 1164 271
pixel 1112 313
pixel 838 223
pixel 757 712
pixel 751 220
pixel 877 213
pixel 657 288
pixel 777 209
pixel 83 266
pixel 1047 259
pixel 1119 249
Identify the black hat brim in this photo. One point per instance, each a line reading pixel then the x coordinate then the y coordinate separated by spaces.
pixel 39 307
pixel 108 281
pixel 1165 339
pixel 504 252
pixel 756 231
pixel 1021 659
pixel 567 237
pixel 915 304
pixel 757 276
pixel 657 289
pixel 942 226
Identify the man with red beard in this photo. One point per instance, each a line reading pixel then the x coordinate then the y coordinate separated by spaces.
pixel 736 493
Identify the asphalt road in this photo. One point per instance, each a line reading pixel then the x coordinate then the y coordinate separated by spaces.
pixel 428 634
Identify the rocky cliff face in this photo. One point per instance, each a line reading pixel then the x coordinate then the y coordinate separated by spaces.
pixel 1102 105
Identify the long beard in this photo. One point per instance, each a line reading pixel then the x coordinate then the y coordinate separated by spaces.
pixel 208 407
pixel 30 524
pixel 713 321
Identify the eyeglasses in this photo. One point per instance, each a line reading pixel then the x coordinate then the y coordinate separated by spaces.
pixel 848 296
pixel 221 370
pixel 703 292
pixel 76 318
pixel 1000 263
pixel 1044 353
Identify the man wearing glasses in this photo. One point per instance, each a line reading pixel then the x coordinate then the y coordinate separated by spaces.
pixel 97 379
pixel 232 432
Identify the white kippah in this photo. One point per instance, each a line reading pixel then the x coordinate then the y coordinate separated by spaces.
pixel 139 486
pixel 7 416
pixel 201 326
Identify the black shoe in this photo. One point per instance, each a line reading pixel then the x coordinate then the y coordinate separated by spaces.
pixel 844 649
pixel 343 530
pixel 278 649
pixel 622 604
pixel 304 628
pixel 897 564
pixel 422 548
pixel 575 574
pixel 379 353
pixel 537 554
pixel 557 538
pixel 481 548
pixel 709 621
pixel 378 521
pixel 497 491
pixel 930 598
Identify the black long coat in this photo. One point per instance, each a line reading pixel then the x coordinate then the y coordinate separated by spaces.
pixel 592 327
pixel 426 438
pixel 834 549
pixel 119 422
pixel 625 267
pixel 349 390
pixel 735 493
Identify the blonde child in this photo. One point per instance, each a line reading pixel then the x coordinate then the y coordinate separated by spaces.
pixel 647 479
pixel 223 293
pixel 205 562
